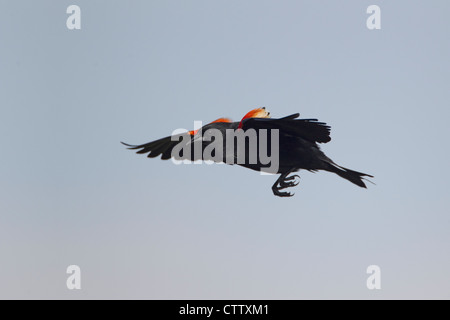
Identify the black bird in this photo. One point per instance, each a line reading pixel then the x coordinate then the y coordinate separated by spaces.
pixel 297 147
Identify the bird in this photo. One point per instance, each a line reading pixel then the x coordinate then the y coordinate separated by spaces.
pixel 295 145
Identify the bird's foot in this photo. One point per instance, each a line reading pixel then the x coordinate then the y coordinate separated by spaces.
pixel 277 192
pixel 284 182
pixel 287 183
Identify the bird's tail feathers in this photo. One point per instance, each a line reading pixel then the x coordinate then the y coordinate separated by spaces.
pixel 351 175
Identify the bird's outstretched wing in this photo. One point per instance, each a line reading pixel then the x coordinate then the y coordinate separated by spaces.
pixel 161 147
pixel 184 141
pixel 308 129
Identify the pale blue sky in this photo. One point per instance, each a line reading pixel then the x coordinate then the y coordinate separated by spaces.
pixel 146 228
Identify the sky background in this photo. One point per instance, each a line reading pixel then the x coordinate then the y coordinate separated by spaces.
pixel 141 228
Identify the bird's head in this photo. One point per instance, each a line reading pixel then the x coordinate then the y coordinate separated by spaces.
pixel 255 113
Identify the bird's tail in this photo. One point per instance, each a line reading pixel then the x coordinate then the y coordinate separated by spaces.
pixel 351 175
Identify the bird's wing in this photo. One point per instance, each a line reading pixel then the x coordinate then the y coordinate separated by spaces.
pixel 292 116
pixel 308 129
pixel 161 147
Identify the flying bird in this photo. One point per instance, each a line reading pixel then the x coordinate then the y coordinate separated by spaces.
pixel 296 147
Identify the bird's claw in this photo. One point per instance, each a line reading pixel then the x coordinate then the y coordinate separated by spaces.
pixel 292 177
pixel 277 192
pixel 286 183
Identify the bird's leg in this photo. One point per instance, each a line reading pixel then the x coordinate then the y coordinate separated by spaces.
pixel 284 182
